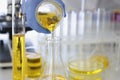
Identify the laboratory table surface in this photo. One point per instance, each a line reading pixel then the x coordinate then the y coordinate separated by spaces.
pixel 6 74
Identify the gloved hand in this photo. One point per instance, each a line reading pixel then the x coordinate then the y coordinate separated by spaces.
pixel 29 8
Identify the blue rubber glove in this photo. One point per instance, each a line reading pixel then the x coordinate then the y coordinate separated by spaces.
pixel 29 10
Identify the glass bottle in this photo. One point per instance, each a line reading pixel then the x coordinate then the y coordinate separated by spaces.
pixel 18 41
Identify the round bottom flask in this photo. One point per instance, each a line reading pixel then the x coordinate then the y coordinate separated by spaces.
pixel 49 13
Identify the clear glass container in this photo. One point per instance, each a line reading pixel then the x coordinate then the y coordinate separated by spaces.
pixel 84 69
pixel 34 66
pixel 54 67
pixel 49 13
pixel 94 38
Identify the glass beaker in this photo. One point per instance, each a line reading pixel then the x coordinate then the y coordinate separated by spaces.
pixel 84 69
pixel 34 63
pixel 54 67
pixel 44 15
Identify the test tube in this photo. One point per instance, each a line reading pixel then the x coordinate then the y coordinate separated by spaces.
pixel 18 41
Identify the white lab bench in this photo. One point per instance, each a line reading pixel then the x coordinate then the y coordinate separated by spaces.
pixel 6 74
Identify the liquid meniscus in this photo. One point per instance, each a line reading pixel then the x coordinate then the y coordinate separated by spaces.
pixel 48 20
pixel 33 65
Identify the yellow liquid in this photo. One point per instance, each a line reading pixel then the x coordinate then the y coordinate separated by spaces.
pixel 33 65
pixel 84 71
pixel 48 20
pixel 54 77
pixel 18 46
pixel 100 58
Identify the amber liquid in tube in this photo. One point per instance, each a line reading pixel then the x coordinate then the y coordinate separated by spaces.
pixel 18 56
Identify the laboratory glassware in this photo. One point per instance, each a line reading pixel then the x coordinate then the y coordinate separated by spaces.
pixel 18 41
pixel 49 14
pixel 34 63
pixel 94 38
pixel 54 67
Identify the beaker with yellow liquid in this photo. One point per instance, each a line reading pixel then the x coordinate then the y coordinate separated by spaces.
pixel 34 64
pixel 48 20
pixel 49 13
pixel 84 69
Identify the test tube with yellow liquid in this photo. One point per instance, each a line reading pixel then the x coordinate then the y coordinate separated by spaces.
pixel 18 42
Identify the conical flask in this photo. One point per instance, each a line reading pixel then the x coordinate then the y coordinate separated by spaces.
pixel 54 69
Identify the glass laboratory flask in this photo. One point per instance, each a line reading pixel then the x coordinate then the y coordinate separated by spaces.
pixel 49 13
pixel 54 67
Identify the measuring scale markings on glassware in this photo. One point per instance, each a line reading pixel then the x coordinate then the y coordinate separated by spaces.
pixel 84 70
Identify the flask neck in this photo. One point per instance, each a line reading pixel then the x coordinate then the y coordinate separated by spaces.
pixel 54 62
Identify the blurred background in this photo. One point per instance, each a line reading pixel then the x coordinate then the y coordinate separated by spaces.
pixel 73 7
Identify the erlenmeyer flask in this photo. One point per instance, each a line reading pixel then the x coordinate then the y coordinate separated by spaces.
pixel 54 69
